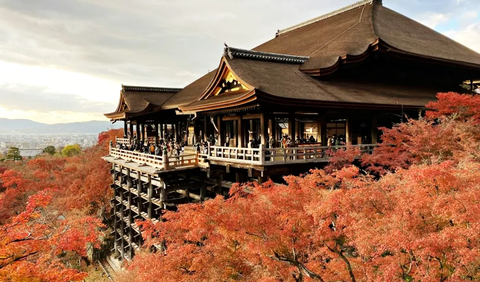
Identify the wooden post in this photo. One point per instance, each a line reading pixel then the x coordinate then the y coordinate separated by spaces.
pixel 203 189
pixel 115 226
pixel 150 196
pixel 163 193
pixel 374 130
pixel 263 129
pixel 274 131
pixel 205 136
pixel 240 139
pixel 130 125
pixel 125 129
pixel 323 130
pixel 139 191
pixel 348 131
pixel 291 127
pixel 122 222
pixel 138 132
pixel 219 190
pixel 220 135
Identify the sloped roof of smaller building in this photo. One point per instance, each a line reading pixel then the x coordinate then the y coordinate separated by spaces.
pixel 136 100
pixel 190 93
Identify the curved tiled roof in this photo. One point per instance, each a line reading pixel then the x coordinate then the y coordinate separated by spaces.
pixel 141 99
pixel 351 33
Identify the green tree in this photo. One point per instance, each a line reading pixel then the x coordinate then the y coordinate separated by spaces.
pixel 71 150
pixel 13 154
pixel 50 150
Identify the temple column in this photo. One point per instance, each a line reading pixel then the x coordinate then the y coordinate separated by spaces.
pixel 150 195
pixel 125 129
pixel 348 131
pixel 323 130
pixel 138 132
pixel 240 138
pixel 220 138
pixel 264 129
pixel 291 127
pixel 374 130
pixel 139 191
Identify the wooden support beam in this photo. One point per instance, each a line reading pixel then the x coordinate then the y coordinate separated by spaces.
pixel 323 129
pixel 240 142
pixel 203 189
pixel 150 196
pixel 220 138
pixel 139 190
pixel 374 130
pixel 263 129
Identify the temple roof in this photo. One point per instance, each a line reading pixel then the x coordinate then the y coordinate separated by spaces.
pixel 350 34
pixel 190 93
pixel 284 83
pixel 135 100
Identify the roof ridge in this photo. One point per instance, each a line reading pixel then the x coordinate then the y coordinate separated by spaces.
pixel 149 88
pixel 232 52
pixel 326 16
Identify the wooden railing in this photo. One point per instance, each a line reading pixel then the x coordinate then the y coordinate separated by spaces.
pixel 159 162
pixel 252 156
pixel 122 141
pixel 249 156
pixel 274 156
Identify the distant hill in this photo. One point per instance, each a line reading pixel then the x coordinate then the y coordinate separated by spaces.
pixel 29 126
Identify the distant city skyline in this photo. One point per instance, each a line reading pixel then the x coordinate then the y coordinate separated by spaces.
pixel 65 61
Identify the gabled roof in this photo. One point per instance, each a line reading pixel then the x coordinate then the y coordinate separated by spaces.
pixel 278 82
pixel 190 93
pixel 136 100
pixel 350 34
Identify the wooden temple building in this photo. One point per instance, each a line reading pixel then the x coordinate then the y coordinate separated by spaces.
pixel 328 82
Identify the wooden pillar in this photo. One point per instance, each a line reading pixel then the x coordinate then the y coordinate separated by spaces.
pixel 291 127
pixel 240 138
pixel 219 190
pixel 125 129
pixel 323 129
pixel 374 130
pixel 150 196
pixel 130 125
pixel 115 226
pixel 348 130
pixel 175 132
pixel 264 129
pixel 220 135
pixel 162 131
pixel 139 190
pixel 122 211
pixel 138 132
pixel 163 192
pixel 205 136
pixel 274 130
pixel 203 188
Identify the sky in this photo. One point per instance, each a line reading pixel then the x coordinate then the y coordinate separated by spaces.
pixel 65 60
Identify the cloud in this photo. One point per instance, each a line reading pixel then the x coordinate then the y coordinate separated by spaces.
pixel 469 36
pixel 433 19
pixel 80 51
pixel 50 117
pixel 36 98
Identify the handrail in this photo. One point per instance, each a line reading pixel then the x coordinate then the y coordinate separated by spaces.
pixel 249 156
pixel 123 141
pixel 159 162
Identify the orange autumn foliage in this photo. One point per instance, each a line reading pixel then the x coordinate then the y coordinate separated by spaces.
pixel 415 221
pixel 50 209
